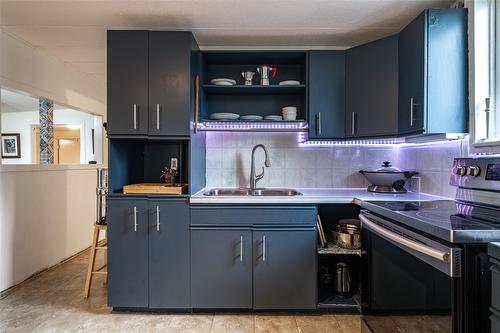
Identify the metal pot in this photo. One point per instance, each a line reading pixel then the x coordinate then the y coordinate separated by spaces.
pixel 347 236
pixel 387 178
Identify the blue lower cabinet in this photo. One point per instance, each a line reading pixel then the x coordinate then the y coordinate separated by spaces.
pixel 221 268
pixel 127 253
pixel 169 254
pixel 284 272
pixel 148 253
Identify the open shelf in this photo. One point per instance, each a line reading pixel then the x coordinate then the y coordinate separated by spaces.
pixel 332 249
pixel 340 303
pixel 142 161
pixel 253 90
pixel 255 99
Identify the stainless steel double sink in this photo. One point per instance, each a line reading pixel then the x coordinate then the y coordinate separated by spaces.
pixel 218 192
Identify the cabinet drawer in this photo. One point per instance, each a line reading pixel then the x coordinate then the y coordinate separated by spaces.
pixel 252 215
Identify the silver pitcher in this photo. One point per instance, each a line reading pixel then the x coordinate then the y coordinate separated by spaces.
pixel 343 283
pixel 264 72
pixel 248 76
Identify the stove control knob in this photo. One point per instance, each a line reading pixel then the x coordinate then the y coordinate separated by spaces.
pixel 474 171
pixel 460 171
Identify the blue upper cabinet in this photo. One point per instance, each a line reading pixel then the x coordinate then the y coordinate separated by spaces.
pixel 433 73
pixel 326 111
pixel 149 82
pixel 170 82
pixel 127 82
pixel 372 89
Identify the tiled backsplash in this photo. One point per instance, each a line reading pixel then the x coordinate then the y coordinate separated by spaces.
pixel 292 165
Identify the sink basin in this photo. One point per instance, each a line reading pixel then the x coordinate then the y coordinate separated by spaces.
pixel 217 192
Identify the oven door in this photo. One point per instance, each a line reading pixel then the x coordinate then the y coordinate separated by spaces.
pixel 409 280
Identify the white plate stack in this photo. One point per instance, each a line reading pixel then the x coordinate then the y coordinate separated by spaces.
pixel 289 83
pixel 223 82
pixel 224 116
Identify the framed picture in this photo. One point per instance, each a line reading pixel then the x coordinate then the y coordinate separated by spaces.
pixel 11 145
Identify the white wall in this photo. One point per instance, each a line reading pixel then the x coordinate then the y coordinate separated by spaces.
pixel 21 122
pixel 45 217
pixel 46 214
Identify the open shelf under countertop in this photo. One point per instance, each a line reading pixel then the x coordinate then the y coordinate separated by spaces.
pixel 335 249
pixel 254 89
pixel 339 302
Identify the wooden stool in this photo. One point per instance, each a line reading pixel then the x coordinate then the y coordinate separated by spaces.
pixel 93 250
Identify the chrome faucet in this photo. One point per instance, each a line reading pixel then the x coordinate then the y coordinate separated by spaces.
pixel 253 177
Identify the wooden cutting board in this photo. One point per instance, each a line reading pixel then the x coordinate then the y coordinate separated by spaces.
pixel 155 188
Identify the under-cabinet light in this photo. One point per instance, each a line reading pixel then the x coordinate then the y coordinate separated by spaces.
pixel 253 126
pixel 367 142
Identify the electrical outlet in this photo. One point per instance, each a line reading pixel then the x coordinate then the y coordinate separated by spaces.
pixel 173 163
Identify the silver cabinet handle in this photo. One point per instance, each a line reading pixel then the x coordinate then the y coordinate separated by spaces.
pixel 157 116
pixel 264 248
pixel 135 219
pixel 318 123
pixel 412 105
pixel 353 123
pixel 157 218
pixel 135 116
pixel 241 248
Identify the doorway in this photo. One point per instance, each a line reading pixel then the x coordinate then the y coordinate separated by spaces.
pixel 66 144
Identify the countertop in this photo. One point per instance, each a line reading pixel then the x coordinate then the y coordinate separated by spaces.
pixel 314 196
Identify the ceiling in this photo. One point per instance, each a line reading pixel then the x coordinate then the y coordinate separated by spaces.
pixel 75 30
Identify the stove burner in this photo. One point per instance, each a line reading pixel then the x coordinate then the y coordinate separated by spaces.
pixel 434 216
pixel 409 206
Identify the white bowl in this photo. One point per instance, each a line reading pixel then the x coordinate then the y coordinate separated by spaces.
pixel 289 109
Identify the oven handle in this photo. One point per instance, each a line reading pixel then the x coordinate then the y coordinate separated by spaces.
pixel 429 251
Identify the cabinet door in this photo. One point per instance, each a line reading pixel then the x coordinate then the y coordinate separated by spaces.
pixel 326 112
pixel 127 252
pixel 372 89
pixel 412 71
pixel 127 86
pixel 284 273
pixel 168 254
pixel 447 91
pixel 221 268
pixel 169 82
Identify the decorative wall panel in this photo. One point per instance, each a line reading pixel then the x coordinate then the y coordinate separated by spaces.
pixel 46 111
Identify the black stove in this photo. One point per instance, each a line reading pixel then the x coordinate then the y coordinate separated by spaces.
pixel 438 248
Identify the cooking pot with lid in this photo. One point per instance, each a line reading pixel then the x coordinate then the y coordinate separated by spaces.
pixel 387 179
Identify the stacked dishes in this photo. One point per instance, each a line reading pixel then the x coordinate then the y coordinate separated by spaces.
pixel 289 83
pixel 289 113
pixel 224 116
pixel 273 117
pixel 251 117
pixel 223 82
